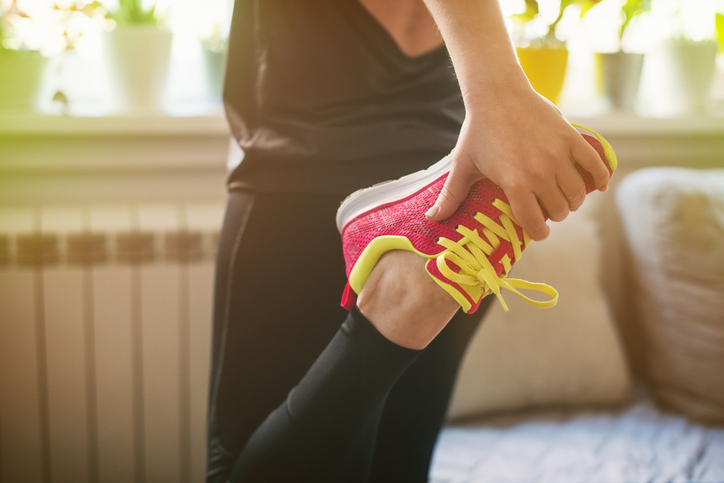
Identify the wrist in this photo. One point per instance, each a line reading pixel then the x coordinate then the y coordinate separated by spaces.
pixel 496 88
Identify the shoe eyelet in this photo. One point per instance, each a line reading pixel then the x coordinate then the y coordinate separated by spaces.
pixel 492 200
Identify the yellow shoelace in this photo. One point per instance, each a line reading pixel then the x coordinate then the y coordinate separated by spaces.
pixel 470 254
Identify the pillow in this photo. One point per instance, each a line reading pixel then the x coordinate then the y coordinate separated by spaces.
pixel 673 220
pixel 569 354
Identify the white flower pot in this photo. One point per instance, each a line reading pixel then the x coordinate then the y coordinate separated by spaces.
pixel 214 65
pixel 21 75
pixel 139 59
pixel 682 77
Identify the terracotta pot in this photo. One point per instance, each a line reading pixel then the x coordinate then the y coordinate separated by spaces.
pixel 22 79
pixel 139 58
pixel 545 68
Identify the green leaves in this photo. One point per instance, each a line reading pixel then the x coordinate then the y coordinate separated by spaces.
pixel 720 30
pixel 631 9
pixel 531 11
pixel 586 5
pixel 131 12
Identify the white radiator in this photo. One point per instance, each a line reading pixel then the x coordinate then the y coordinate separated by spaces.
pixel 105 335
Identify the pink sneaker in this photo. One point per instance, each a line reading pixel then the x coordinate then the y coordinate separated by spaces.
pixel 469 254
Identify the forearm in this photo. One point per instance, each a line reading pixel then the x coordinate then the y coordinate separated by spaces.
pixel 481 50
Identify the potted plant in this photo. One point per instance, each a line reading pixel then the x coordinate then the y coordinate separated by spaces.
pixel 213 48
pixel 618 74
pixel 686 62
pixel 22 65
pixel 73 20
pixel 139 52
pixel 544 57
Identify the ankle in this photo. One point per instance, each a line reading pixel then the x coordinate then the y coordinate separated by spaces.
pixel 403 302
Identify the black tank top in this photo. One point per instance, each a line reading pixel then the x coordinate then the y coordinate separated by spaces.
pixel 321 99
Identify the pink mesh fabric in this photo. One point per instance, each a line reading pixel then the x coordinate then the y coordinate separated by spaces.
pixel 406 218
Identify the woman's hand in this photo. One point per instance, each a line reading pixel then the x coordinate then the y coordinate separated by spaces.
pixel 522 142
pixel 511 134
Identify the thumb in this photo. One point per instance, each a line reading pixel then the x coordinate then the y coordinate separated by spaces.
pixel 456 188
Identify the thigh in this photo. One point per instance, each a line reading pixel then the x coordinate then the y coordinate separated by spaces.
pixel 280 275
pixel 415 409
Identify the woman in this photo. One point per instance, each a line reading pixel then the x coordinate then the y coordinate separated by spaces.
pixel 325 97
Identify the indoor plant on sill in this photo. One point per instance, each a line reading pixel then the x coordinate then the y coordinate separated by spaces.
pixel 22 66
pixel 213 48
pixel 544 57
pixel 618 74
pixel 685 67
pixel 140 54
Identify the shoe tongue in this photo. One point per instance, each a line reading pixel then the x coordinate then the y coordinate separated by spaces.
pixel 495 257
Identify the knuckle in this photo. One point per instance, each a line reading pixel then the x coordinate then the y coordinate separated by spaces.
pixel 535 226
pixel 513 184
pixel 557 209
pixel 538 172
pixel 599 165
pixel 596 158
pixel 538 233
pixel 446 196
pixel 601 180
pixel 457 161
pixel 463 162
pixel 602 167
pixel 577 196
pixel 576 204
pixel 559 214
pixel 552 152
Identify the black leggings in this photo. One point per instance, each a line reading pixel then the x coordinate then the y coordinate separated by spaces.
pixel 294 396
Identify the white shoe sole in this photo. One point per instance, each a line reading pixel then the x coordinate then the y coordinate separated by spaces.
pixel 361 201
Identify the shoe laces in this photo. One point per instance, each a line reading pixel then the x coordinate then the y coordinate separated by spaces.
pixel 470 255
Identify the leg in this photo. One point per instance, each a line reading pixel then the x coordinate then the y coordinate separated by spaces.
pixel 325 430
pixel 416 407
pixel 271 265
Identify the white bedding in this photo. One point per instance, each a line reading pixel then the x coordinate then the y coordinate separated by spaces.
pixel 636 444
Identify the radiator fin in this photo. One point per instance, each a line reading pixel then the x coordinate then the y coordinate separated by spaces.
pixel 105 335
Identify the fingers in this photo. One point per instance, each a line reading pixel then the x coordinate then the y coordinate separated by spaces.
pixel 553 202
pixel 589 159
pixel 528 213
pixel 573 188
pixel 456 188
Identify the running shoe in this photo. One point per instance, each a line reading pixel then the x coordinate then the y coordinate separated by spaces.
pixel 469 254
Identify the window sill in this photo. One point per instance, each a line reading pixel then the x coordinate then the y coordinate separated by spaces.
pixel 199 140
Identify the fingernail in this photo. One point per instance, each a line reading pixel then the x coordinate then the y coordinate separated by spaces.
pixel 432 211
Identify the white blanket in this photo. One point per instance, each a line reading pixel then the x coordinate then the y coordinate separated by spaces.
pixel 636 444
